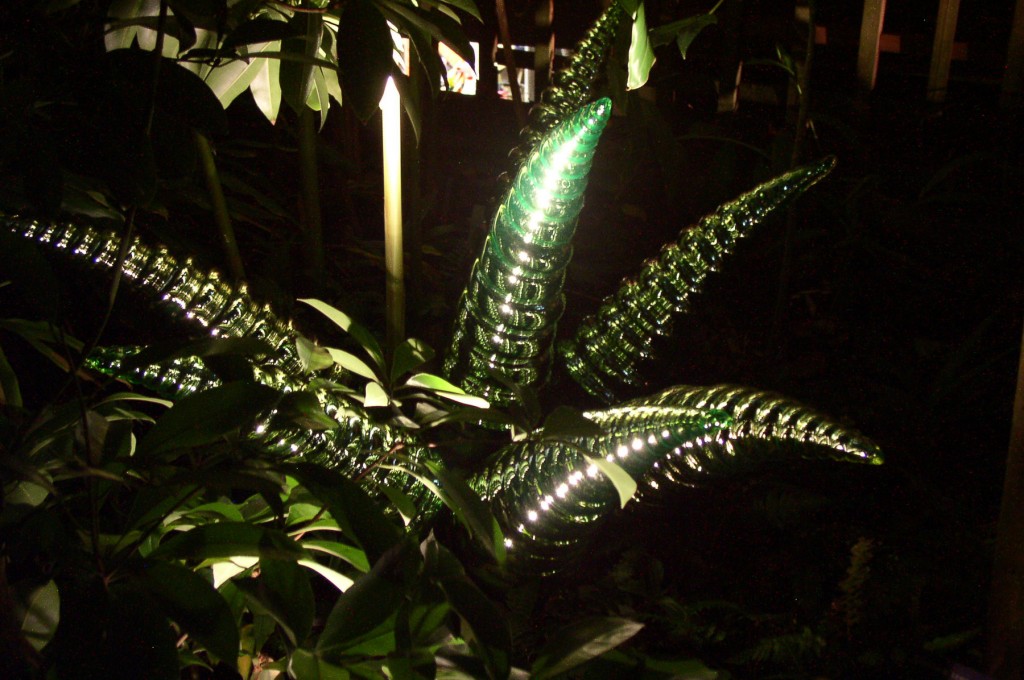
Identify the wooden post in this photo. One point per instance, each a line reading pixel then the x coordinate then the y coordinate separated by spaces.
pixel 1006 595
pixel 870 35
pixel 1014 74
pixel 942 49
pixel 544 57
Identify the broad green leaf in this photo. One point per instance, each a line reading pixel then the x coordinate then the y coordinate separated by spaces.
pixel 641 54
pixel 445 389
pixel 10 392
pixel 351 554
pixel 137 635
pixel 225 570
pixel 337 579
pixel 364 56
pixel 355 512
pixel 350 362
pixel 358 332
pixel 566 422
pixel 375 395
pixel 366 610
pixel 472 512
pixel 410 98
pixel 266 84
pixel 402 502
pixel 134 396
pixel 230 539
pixel 467 6
pixel 25 493
pixel 207 416
pixel 182 95
pixel 41 615
pixel 620 479
pixel 228 511
pixel 492 638
pixel 304 409
pixel 312 358
pixel 439 26
pixel 684 31
pixel 120 11
pixel 410 354
pixel 230 79
pixel 191 601
pixel 307 665
pixel 283 589
pixel 580 642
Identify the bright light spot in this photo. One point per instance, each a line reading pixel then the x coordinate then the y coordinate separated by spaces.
pixel 513 279
pixel 622 451
pixel 665 434
pixel 652 440
pixel 610 458
pixel 654 484
pixel 496 338
pixel 505 309
pixel 637 444
pixel 508 542
pixel 524 256
pixel 562 490
pixel 592 471
pixel 261 428
pixel 532 515
pixel 545 506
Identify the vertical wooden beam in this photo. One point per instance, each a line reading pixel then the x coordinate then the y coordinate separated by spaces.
pixel 870 35
pixel 1013 77
pixel 1005 654
pixel 942 49
pixel 544 56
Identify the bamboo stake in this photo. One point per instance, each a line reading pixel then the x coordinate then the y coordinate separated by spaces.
pixel 1013 77
pixel 1005 654
pixel 391 122
pixel 870 37
pixel 510 63
pixel 942 50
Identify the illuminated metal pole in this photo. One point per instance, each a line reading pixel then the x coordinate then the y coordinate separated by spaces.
pixel 391 122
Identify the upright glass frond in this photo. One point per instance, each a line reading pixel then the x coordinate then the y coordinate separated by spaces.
pixel 572 87
pixel 506 318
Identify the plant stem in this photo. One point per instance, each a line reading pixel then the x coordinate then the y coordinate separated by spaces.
pixel 311 215
pixel 220 208
pixel 799 134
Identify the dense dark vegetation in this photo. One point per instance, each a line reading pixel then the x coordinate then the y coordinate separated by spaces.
pixel 890 297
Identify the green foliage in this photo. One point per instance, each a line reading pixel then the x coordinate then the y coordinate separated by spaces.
pixel 174 540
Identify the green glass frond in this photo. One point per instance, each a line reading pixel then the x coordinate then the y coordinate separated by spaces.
pixel 571 87
pixel 605 354
pixel 766 426
pixel 505 322
pixel 552 495
pixel 188 293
